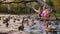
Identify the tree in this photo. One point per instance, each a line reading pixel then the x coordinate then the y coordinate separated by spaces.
pixel 56 4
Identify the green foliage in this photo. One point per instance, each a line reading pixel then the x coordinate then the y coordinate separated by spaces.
pixel 3 8
pixel 21 8
pixel 52 15
pixel 16 0
pixel 36 5
pixel 56 4
pixel 18 8
pixel 49 2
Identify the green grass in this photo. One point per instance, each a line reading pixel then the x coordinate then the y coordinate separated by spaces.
pixel 58 15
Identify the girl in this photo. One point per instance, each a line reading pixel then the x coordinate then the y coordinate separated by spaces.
pixel 45 15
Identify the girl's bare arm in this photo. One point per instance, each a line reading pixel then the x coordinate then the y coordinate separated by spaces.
pixel 35 10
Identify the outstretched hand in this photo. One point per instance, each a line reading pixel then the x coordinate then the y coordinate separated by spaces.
pixel 33 7
pixel 29 6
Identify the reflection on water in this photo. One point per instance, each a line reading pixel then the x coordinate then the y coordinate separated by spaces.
pixel 30 23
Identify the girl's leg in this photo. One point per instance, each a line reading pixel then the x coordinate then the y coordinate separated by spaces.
pixel 46 24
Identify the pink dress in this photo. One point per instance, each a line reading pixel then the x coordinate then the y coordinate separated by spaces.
pixel 45 14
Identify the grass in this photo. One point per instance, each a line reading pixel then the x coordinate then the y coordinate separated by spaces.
pixel 58 15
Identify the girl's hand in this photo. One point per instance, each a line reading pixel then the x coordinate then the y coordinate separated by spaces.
pixel 33 7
